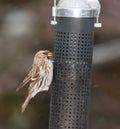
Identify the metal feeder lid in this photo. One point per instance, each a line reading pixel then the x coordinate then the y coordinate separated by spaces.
pixel 76 9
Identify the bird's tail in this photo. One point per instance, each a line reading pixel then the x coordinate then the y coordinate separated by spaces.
pixel 25 103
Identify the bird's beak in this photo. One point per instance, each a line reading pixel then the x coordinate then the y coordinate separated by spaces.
pixel 49 54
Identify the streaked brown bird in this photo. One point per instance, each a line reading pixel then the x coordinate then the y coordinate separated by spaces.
pixel 39 77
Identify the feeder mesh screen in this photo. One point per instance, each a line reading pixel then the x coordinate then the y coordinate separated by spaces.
pixel 72 74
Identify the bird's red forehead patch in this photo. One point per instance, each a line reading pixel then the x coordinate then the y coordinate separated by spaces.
pixel 43 51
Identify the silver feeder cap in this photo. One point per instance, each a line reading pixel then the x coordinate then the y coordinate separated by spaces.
pixel 76 9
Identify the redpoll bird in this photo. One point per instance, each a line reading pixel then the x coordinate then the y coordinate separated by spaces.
pixel 39 77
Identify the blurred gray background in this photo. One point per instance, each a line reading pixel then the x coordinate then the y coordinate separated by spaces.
pixel 24 29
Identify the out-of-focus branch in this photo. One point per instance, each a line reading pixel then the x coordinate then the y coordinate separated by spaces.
pixel 106 52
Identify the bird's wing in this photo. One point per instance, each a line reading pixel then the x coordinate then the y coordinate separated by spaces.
pixel 31 75
pixel 42 79
pixel 25 81
pixel 45 78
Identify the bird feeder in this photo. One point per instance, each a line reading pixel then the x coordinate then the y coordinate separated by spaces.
pixel 74 22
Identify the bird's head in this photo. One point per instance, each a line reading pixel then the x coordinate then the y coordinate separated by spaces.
pixel 45 53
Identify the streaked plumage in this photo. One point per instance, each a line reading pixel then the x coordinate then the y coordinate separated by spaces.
pixel 39 77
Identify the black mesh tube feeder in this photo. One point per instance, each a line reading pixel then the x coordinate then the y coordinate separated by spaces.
pixel 74 22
